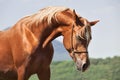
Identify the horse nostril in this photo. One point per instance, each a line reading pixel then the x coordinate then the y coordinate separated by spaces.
pixel 84 67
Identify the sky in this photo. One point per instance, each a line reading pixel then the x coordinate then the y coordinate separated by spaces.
pixel 105 34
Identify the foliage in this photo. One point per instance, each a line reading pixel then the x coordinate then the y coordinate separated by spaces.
pixel 100 69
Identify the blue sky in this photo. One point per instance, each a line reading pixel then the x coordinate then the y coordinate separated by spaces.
pixel 106 34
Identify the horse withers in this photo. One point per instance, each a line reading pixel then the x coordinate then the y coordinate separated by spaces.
pixel 26 48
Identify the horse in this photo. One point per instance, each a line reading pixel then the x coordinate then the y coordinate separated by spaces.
pixel 26 48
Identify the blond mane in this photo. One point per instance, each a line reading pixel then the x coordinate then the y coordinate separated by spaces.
pixel 47 13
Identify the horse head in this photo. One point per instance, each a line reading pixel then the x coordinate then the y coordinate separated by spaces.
pixel 76 33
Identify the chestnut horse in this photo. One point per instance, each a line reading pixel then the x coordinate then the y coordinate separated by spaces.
pixel 26 48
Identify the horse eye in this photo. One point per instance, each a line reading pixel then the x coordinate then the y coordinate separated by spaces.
pixel 90 37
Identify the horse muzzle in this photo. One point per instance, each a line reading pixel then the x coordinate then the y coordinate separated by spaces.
pixel 82 65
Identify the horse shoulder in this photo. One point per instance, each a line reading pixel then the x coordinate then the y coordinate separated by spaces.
pixel 22 43
pixel 6 59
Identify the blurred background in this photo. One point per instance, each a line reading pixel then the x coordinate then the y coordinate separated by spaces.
pixel 105 43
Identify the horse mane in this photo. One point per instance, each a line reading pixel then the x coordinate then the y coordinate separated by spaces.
pixel 45 14
pixel 49 13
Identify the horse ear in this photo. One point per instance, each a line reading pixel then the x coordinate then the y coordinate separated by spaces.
pixel 75 13
pixel 93 22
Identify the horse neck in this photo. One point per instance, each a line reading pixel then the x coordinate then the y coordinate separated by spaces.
pixel 44 33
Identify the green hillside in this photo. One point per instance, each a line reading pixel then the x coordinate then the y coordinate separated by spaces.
pixel 100 69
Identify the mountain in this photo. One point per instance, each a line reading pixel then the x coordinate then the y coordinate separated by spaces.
pixel 60 52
